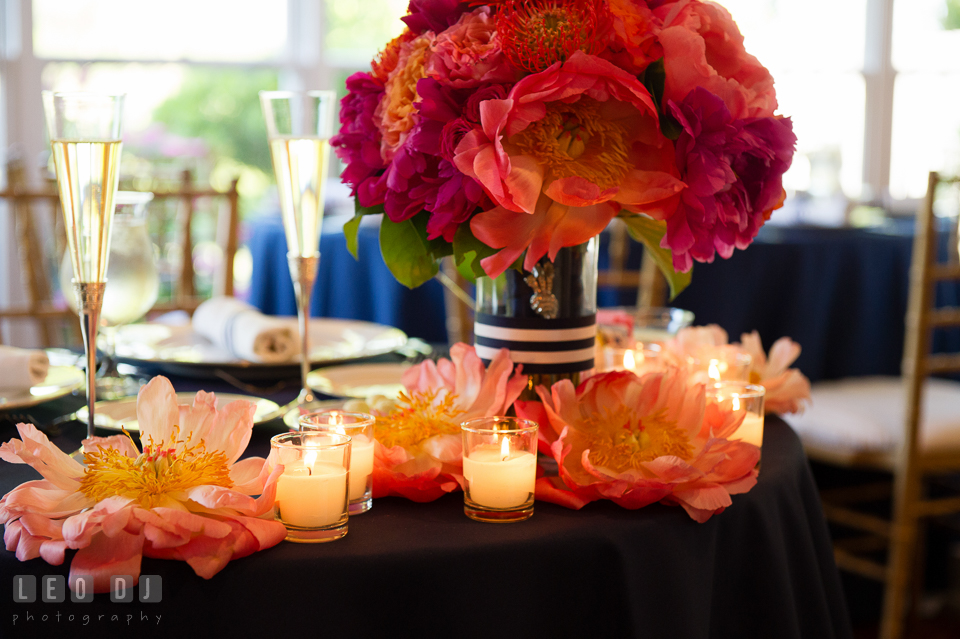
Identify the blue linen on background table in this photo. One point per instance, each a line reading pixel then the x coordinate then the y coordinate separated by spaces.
pixel 345 288
pixel 841 293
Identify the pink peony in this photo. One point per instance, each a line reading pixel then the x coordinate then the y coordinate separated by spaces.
pixel 184 497
pixel 733 172
pixel 559 157
pixel 638 440
pixel 419 451
pixel 358 143
pixel 468 53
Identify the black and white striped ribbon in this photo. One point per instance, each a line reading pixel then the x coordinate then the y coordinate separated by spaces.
pixel 543 346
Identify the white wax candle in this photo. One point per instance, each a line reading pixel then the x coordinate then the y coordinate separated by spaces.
pixel 312 496
pixel 751 430
pixel 361 465
pixel 496 482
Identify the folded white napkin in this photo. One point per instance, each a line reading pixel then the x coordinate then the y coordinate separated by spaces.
pixel 246 332
pixel 21 368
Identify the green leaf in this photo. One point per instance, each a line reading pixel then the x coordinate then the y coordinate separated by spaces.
pixel 649 232
pixel 352 228
pixel 406 253
pixel 654 77
pixel 468 251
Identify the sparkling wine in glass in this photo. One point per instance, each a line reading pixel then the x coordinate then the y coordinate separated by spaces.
pixel 133 285
pixel 299 126
pixel 84 130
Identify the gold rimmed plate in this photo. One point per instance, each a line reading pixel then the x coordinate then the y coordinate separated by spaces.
pixel 60 381
pixel 359 381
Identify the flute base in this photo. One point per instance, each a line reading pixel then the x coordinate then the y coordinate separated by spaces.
pixel 315 535
pixel 498 515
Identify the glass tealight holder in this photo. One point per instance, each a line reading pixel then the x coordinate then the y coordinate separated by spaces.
pixel 643 358
pixel 312 491
pixel 712 364
pixel 359 426
pixel 741 397
pixel 500 468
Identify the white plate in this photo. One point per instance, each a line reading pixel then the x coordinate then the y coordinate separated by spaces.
pixel 358 380
pixel 115 414
pixel 60 381
pixel 182 351
pixel 292 417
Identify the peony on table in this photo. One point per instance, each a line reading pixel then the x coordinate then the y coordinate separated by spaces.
pixel 762 568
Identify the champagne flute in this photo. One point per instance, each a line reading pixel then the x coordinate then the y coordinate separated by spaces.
pixel 84 130
pixel 299 127
pixel 133 285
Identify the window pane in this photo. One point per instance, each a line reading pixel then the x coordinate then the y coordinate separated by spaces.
pixel 924 37
pixel 926 119
pixel 926 130
pixel 821 35
pixel 211 30
pixel 829 160
pixel 357 29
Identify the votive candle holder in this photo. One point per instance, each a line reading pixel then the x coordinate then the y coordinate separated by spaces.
pixel 312 493
pixel 359 426
pixel 500 468
pixel 742 398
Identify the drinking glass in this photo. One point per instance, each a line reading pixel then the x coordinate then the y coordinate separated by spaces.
pixel 133 285
pixel 84 130
pixel 299 126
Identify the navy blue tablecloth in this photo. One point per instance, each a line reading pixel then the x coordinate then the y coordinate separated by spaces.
pixel 763 568
pixel 346 288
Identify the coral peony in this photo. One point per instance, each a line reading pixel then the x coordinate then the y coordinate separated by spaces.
pixel 638 440
pixel 468 54
pixel 419 451
pixel 702 47
pixel 184 497
pixel 787 388
pixel 559 157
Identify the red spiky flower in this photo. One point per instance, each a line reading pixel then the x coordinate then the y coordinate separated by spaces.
pixel 536 33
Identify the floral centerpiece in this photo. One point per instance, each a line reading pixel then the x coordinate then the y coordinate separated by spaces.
pixel 509 134
pixel 185 496
pixel 506 130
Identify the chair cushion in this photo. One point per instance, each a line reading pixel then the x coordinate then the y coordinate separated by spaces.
pixel 867 415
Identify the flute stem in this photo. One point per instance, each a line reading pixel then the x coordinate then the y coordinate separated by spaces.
pixel 303 270
pixel 90 301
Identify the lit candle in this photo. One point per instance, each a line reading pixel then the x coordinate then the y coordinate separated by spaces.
pixel 312 493
pixel 498 477
pixel 751 429
pixel 361 465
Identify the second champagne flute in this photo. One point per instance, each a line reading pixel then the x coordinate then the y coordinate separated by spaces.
pixel 299 126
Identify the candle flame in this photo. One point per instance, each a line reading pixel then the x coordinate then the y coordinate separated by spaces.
pixel 714 370
pixel 309 459
pixel 336 419
pixel 736 403
pixel 629 362
pixel 505 448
